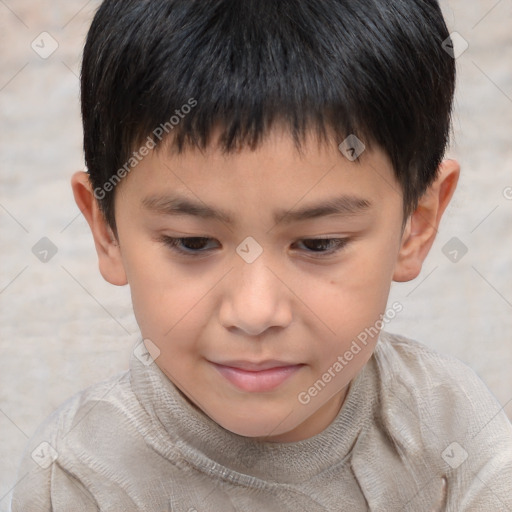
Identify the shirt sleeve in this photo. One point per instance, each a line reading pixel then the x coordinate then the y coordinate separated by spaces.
pixel 446 424
pixel 42 484
pixel 483 480
pixel 491 487
pixel 49 490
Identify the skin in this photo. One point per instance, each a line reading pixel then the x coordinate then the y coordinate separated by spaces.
pixel 292 303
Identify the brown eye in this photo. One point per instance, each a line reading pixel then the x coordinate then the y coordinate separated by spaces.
pixel 324 246
pixel 190 246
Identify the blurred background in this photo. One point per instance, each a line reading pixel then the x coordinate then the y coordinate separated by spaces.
pixel 63 328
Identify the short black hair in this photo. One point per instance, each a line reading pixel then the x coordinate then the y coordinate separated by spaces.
pixel 373 68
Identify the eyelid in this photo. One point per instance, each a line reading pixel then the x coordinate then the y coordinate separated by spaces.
pixel 341 244
pixel 172 243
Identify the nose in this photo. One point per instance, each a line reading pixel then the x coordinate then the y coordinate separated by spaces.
pixel 255 298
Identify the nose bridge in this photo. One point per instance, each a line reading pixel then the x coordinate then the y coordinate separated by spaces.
pixel 256 280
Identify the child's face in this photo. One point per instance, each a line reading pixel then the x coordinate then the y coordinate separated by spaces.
pixel 290 304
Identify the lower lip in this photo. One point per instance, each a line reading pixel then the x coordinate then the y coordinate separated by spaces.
pixel 257 382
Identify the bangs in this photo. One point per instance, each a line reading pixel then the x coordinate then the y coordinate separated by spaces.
pixel 333 68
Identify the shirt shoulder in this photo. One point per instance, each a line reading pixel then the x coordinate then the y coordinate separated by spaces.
pixel 438 413
pixel 49 456
pixel 429 375
pixel 70 413
pixel 442 389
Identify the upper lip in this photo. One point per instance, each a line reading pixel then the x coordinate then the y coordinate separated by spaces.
pixel 256 366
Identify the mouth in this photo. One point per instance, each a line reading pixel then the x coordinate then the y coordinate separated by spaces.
pixel 257 378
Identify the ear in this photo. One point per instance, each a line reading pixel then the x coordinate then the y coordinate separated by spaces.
pixel 107 247
pixel 421 228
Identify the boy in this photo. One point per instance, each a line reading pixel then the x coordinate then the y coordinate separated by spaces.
pixel 259 172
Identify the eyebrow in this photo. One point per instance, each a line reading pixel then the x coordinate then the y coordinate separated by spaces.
pixel 176 205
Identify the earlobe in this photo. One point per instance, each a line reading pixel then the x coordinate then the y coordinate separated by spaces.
pixel 108 250
pixel 421 228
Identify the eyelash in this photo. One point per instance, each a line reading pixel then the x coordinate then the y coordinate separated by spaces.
pixel 174 244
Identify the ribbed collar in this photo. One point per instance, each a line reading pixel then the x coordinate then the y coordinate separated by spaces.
pixel 216 451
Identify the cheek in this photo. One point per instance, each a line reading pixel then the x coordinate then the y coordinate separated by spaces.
pixel 163 296
pixel 356 292
pixel 170 315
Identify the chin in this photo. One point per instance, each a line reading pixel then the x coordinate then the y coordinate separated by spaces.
pixel 258 425
pixel 254 431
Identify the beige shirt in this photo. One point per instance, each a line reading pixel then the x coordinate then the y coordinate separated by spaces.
pixel 418 431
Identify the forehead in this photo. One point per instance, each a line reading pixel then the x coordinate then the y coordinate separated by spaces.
pixel 274 177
